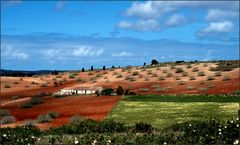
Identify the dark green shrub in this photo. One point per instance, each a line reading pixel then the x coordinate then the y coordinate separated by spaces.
pixel 75 119
pixel 210 78
pixel 226 78
pixel 201 73
pixel 7 86
pixel 195 69
pixel 44 118
pixel 4 112
pixel 135 73
pixel 107 91
pixel 36 100
pixel 53 114
pixel 132 93
pixel 143 127
pixel 120 90
pixel 217 74
pixel 26 105
pixel 14 97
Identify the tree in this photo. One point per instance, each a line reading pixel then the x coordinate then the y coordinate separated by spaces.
pixel 83 70
pixel 113 66
pixel 55 72
pixel 154 62
pixel 104 68
pixel 120 90
pixel 91 68
pixel 107 91
pixel 144 63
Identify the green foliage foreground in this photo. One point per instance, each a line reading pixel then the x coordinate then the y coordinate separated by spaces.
pixel 109 132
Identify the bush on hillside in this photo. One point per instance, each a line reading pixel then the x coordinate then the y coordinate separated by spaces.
pixel 7 119
pixel 107 91
pixel 179 70
pixel 120 90
pixel 4 112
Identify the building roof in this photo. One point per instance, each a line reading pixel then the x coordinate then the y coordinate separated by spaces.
pixel 92 88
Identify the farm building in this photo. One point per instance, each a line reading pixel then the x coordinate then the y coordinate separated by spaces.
pixel 79 90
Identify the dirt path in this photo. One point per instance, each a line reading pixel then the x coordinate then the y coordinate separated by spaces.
pixel 14 101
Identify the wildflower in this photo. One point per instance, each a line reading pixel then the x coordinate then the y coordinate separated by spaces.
pixel 225 126
pixel 109 141
pixel 33 137
pixel 164 143
pixel 231 121
pixel 219 129
pixel 76 141
pixel 4 135
pixel 237 125
pixel 237 118
pixel 190 124
pixel 236 142
pixel 94 142
pixel 39 139
pixel 220 133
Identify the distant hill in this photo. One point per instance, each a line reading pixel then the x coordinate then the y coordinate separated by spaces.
pixel 4 72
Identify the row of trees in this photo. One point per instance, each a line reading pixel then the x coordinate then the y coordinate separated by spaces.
pixel 118 91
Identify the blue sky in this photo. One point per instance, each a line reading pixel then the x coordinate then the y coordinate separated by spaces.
pixel 75 34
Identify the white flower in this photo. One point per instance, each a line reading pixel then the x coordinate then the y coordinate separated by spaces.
pixel 39 139
pixel 190 124
pixel 237 118
pixel 219 129
pixel 220 133
pixel 225 126
pixel 4 135
pixel 76 141
pixel 236 142
pixel 109 141
pixel 95 141
pixel 32 136
pixel 237 125
pixel 231 121
pixel 166 143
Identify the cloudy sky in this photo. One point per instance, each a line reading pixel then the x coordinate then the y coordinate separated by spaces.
pixel 72 34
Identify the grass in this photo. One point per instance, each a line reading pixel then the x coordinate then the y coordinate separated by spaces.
pixel 164 110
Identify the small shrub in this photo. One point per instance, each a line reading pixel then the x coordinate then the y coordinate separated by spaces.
pixel 131 79
pixel 202 89
pixel 36 100
pixel 43 85
pixel 181 83
pixel 143 89
pixel 7 86
pixel 158 89
pixel 161 78
pixel 189 66
pixel 201 83
pixel 146 79
pixel 4 112
pixel 192 78
pixel 211 85
pixel 201 73
pixel 164 71
pixel 26 105
pixel 90 73
pixel 195 69
pixel 14 97
pixel 75 119
pixel 120 90
pixel 98 75
pixel 119 76
pixel 184 74
pixel 7 119
pixel 107 91
pixel 149 72
pixel 210 78
pixel 44 118
pixel 15 83
pixel 179 70
pixel 79 79
pixel 190 87
pixel 169 74
pixel 226 78
pixel 205 65
pixel 154 75
pixel 53 114
pixel 135 73
pixel 217 74
pixel 177 78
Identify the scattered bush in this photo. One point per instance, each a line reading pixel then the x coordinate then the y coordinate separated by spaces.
pixel 146 79
pixel 143 89
pixel 4 112
pixel 202 90
pixel 195 69
pixel 169 74
pixel 217 74
pixel 201 73
pixel 192 78
pixel 143 127
pixel 161 78
pixel 15 83
pixel 129 78
pixel 181 83
pixel 190 87
pixel 98 75
pixel 226 78
pixel 184 74
pixel 7 86
pixel 164 71
pixel 14 97
pixel 36 100
pixel 149 72
pixel 90 73
pixel 179 70
pixel 158 89
pixel 7 119
pixel 119 76
pixel 189 66
pixel 201 83
pixel 44 118
pixel 210 78
pixel 211 85
pixel 26 105
pixel 154 75
pixel 135 73
pixel 76 119
pixel 44 85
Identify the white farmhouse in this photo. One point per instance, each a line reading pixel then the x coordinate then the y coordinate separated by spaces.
pixel 79 90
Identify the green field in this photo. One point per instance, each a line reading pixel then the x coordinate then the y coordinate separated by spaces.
pixel 165 110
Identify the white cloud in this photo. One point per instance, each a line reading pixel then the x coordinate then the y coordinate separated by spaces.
pixel 154 9
pixel 218 27
pixel 218 14
pixel 175 20
pixel 141 25
pixel 122 54
pixel 84 51
pixel 10 53
pixel 60 5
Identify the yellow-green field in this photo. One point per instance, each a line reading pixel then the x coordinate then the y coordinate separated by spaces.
pixel 163 114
